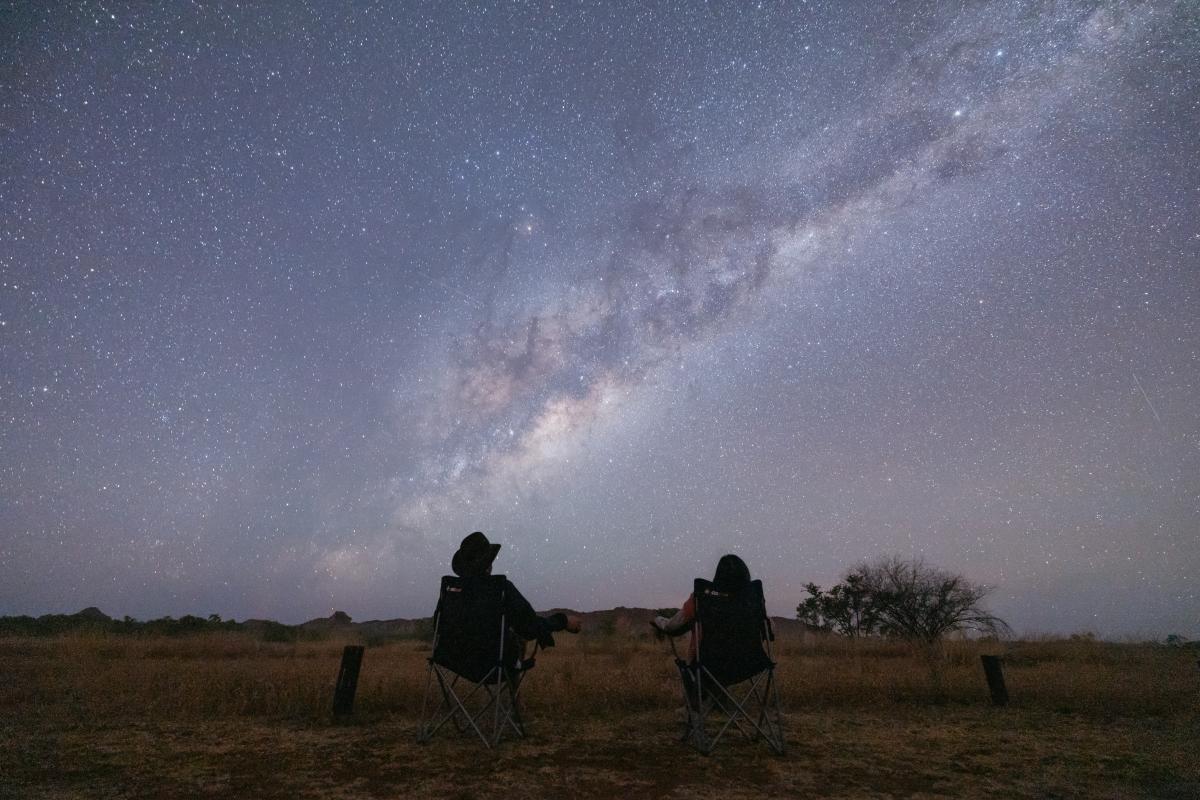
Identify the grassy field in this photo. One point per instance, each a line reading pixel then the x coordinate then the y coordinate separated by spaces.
pixel 225 715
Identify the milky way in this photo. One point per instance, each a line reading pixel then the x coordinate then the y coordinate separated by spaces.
pixel 293 298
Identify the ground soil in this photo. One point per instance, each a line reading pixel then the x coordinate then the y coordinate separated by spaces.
pixel 940 752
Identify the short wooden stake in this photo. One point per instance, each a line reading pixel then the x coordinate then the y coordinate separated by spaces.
pixel 995 679
pixel 347 680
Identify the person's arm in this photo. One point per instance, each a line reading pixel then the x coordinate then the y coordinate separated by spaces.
pixel 526 623
pixel 682 621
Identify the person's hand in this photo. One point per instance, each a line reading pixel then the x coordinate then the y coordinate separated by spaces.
pixel 574 625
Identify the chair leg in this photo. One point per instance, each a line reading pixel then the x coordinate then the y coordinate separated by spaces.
pixel 514 707
pixel 423 732
pixel 694 734
pixel 763 722
pixel 777 711
pixel 423 729
pixel 500 719
pixel 490 717
pixel 454 708
pixel 445 711
pixel 460 717
pixel 700 738
pixel 502 716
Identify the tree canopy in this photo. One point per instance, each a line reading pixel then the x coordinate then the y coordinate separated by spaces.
pixel 905 598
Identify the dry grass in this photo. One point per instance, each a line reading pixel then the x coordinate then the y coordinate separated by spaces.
pixel 226 715
pixel 98 677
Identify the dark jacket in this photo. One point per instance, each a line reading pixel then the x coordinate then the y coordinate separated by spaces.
pixel 525 623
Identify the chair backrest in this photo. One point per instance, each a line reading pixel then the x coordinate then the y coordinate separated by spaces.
pixel 733 627
pixel 469 625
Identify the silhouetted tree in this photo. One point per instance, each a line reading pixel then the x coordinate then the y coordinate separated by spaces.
pixel 847 608
pixel 914 600
pixel 905 598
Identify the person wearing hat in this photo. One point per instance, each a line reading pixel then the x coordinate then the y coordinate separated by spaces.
pixel 474 558
pixel 731 576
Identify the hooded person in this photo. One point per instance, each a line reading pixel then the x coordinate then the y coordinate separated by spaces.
pixel 474 558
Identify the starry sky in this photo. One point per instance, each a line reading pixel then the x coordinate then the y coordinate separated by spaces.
pixel 295 296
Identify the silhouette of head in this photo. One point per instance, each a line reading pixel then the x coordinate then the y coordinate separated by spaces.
pixel 474 556
pixel 732 574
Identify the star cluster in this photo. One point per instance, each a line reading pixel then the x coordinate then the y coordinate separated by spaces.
pixel 294 297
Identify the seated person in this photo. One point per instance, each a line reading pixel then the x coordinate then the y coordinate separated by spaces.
pixel 474 558
pixel 731 576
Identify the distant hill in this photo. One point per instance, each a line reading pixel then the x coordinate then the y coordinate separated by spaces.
pixel 339 625
pixel 94 614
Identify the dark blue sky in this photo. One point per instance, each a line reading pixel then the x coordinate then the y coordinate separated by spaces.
pixel 295 296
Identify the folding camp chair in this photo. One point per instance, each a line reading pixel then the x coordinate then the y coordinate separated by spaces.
pixel 476 662
pixel 733 658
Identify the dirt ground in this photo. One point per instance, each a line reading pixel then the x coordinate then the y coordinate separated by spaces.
pixel 946 752
pixel 228 716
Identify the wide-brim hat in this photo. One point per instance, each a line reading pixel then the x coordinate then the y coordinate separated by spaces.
pixel 474 555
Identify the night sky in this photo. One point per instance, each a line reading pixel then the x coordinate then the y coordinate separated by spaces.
pixel 295 296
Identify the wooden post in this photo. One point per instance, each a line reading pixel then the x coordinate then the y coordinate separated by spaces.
pixel 347 680
pixel 994 672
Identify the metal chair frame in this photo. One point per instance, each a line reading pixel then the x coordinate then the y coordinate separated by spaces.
pixel 762 696
pixel 501 687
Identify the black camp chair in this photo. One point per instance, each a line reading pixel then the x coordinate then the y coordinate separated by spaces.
pixel 476 662
pixel 734 658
